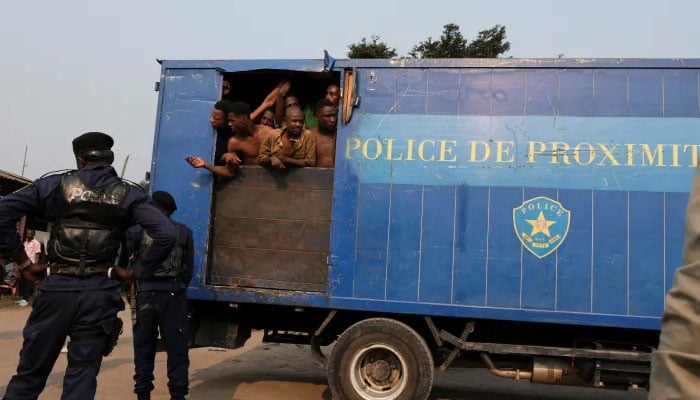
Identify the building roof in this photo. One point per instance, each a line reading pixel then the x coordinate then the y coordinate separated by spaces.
pixel 13 177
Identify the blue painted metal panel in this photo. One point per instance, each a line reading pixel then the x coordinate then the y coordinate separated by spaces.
pixel 378 90
pixel 610 93
pixel 187 97
pixel 443 91
pixel 646 93
pixel 475 92
pixel 681 93
pixel 611 269
pixel 343 231
pixel 646 249
pixel 602 153
pixel 524 63
pixel 610 252
pixel 542 92
pixel 508 88
pixel 576 92
pixel 404 242
pixel 437 237
pixel 675 205
pixel 504 251
pixel 538 286
pixel 245 65
pixel 575 262
pixel 371 244
pixel 411 91
pixel 471 233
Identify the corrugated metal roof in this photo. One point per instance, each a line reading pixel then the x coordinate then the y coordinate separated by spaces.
pixel 13 177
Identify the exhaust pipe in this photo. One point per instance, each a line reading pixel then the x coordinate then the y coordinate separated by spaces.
pixel 504 373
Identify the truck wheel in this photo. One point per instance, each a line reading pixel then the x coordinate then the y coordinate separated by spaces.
pixel 380 358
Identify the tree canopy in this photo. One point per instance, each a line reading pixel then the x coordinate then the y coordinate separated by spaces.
pixel 489 43
pixel 373 49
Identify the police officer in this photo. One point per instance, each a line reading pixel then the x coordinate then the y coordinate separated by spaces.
pixel 89 209
pixel 675 366
pixel 161 305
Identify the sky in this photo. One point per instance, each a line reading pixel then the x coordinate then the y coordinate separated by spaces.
pixel 74 66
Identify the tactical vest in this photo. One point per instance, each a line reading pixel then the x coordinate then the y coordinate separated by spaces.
pixel 86 236
pixel 175 265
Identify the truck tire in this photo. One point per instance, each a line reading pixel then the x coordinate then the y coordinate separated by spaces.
pixel 380 358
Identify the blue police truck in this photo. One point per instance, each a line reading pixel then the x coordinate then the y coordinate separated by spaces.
pixel 522 215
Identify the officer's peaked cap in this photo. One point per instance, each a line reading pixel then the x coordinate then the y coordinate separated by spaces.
pixel 92 141
pixel 164 200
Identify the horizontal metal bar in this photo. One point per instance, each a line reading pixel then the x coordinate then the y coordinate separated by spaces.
pixel 242 283
pixel 499 348
pixel 620 367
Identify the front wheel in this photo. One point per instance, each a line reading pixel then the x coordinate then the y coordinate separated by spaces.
pixel 380 358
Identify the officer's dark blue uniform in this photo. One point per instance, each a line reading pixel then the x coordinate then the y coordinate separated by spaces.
pixel 89 210
pixel 161 306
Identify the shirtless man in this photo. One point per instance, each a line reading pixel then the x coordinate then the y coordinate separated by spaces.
pixel 242 147
pixel 218 121
pixel 324 133
pixel 291 146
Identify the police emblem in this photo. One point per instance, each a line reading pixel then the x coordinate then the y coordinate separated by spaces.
pixel 541 225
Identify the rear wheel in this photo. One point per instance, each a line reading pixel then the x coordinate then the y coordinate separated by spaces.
pixel 380 358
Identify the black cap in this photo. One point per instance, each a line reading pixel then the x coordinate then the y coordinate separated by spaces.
pixel 92 141
pixel 164 200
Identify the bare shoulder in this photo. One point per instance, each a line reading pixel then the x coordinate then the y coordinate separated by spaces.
pixel 310 133
pixel 233 141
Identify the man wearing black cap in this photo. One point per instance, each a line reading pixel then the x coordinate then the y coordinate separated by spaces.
pixel 89 209
pixel 161 305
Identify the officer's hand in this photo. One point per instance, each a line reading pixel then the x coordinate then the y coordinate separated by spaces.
pixel 35 273
pixel 125 275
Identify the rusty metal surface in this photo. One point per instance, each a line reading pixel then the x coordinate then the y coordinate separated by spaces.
pixel 271 229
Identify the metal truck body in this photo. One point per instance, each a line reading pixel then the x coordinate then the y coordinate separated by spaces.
pixel 543 192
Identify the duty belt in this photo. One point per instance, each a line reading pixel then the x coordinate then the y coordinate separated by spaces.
pixel 75 271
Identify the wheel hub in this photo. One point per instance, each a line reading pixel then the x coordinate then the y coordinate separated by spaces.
pixel 379 371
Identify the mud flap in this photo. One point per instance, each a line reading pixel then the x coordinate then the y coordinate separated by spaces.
pixel 219 333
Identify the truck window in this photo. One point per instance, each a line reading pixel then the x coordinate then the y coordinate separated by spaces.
pixel 270 228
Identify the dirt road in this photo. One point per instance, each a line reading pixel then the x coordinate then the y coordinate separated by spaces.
pixel 262 371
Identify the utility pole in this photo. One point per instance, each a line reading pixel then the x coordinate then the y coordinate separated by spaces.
pixel 126 161
pixel 24 162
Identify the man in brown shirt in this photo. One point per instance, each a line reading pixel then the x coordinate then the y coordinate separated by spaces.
pixel 291 146
pixel 242 147
pixel 325 132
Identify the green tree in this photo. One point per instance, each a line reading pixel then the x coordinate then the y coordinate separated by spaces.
pixel 490 43
pixel 373 49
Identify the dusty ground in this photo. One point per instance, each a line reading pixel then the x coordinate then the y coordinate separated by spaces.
pixel 266 371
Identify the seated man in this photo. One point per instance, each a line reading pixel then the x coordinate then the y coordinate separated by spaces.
pixel 325 133
pixel 242 147
pixel 291 146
